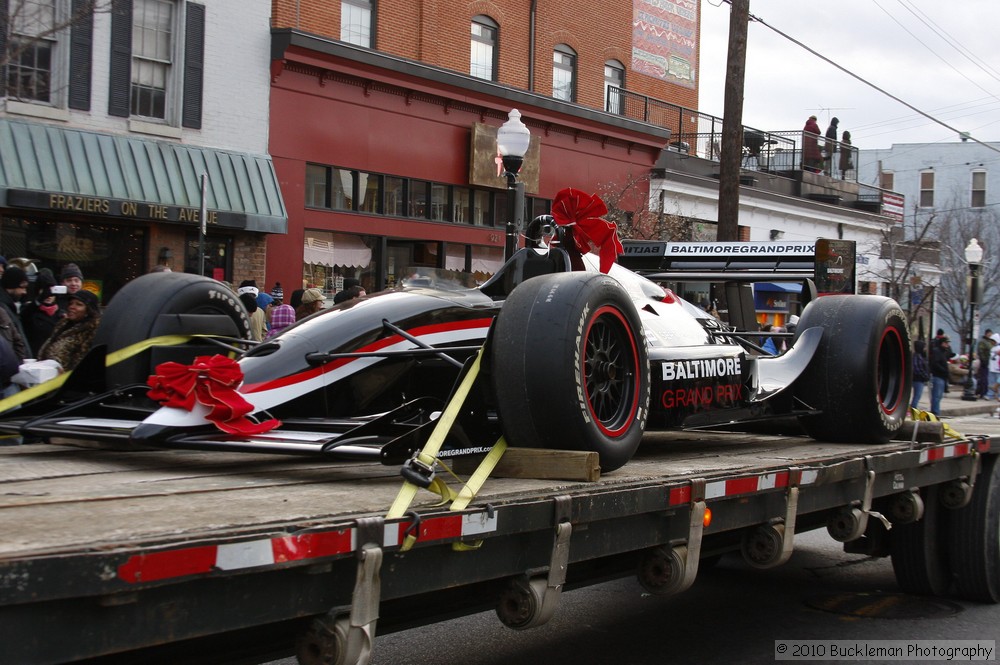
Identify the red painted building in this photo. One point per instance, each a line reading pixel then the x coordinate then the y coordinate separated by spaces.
pixel 385 152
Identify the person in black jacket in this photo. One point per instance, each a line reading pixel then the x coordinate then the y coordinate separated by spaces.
pixel 941 353
pixel 921 372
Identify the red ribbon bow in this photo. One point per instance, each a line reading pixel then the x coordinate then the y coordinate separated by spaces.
pixel 212 381
pixel 574 208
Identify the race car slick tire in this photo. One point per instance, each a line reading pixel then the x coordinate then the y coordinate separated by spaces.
pixel 168 303
pixel 570 368
pixel 860 376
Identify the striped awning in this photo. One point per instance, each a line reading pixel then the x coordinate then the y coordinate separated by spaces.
pixel 60 169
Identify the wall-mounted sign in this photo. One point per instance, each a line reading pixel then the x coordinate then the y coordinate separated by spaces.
pixel 107 207
pixel 485 167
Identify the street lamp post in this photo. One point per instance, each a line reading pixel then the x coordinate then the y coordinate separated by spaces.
pixel 512 143
pixel 973 256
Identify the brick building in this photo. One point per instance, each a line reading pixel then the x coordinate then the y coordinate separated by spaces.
pixel 384 116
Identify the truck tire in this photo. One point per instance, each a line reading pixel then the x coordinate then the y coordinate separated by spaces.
pixel 570 368
pixel 861 374
pixel 920 550
pixel 975 538
pixel 168 303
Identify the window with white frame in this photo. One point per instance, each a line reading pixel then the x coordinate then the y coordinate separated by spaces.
pixel 482 62
pixel 564 73
pixel 32 50
pixel 153 42
pixel 978 189
pixel 927 189
pixel 614 82
pixel 356 22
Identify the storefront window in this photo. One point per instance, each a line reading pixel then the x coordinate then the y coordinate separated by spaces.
pixel 418 198
pixel 218 256
pixel 439 202
pixel 108 255
pixel 341 189
pixel 329 258
pixel 316 186
pixel 460 207
pixel 368 188
pixel 481 212
pixel 395 196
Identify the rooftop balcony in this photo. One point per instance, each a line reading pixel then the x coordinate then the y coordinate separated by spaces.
pixel 791 162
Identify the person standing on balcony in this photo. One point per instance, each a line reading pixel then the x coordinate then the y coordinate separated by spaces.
pixel 812 158
pixel 830 149
pixel 846 163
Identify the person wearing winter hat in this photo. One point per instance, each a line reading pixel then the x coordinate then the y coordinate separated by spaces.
pixel 296 298
pixel 40 314
pixel 13 287
pixel 264 305
pixel 73 335
pixel 312 302
pixel 248 292
pixel 71 277
pixel 278 293
pixel 282 316
pixel 793 323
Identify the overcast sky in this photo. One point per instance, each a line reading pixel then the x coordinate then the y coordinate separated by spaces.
pixel 916 50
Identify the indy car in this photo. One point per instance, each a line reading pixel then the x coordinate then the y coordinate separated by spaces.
pixel 562 348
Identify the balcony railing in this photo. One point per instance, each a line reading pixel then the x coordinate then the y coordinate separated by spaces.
pixel 700 135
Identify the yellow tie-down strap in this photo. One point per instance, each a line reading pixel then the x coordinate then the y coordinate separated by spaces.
pixel 113 358
pixel 927 416
pixel 428 457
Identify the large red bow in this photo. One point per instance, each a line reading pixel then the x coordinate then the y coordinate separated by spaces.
pixel 573 207
pixel 212 381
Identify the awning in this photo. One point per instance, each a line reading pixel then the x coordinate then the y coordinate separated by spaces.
pixel 338 250
pixel 783 287
pixel 59 169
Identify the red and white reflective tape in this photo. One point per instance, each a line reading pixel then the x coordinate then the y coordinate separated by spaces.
pixel 440 528
pixel 168 564
pixel 944 452
pixel 719 489
pixel 204 559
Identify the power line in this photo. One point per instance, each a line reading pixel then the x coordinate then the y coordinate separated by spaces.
pixel 936 54
pixel 869 83
pixel 951 41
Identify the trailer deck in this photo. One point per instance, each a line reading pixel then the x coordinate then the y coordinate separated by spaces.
pixel 126 551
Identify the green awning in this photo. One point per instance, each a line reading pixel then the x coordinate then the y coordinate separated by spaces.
pixel 74 171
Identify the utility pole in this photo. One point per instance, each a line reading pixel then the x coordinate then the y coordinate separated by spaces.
pixel 732 122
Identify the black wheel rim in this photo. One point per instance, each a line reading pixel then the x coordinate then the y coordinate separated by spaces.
pixel 610 367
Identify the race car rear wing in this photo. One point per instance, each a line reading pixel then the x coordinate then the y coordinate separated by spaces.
pixel 822 266
pixel 715 261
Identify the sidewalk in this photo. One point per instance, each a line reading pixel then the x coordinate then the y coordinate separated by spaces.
pixel 952 404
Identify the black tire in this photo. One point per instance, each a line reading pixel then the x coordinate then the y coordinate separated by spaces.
pixel 920 550
pixel 861 374
pixel 975 538
pixel 168 303
pixel 570 368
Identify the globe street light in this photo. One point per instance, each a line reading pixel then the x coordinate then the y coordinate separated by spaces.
pixel 974 257
pixel 512 143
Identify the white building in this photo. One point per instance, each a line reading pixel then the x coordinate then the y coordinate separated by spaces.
pixel 952 190
pixel 110 113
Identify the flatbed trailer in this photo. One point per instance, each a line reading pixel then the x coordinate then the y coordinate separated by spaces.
pixel 178 556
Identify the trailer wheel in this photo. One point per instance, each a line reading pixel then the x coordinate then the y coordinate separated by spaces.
pixel 860 376
pixel 974 538
pixel 570 368
pixel 168 303
pixel 920 550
